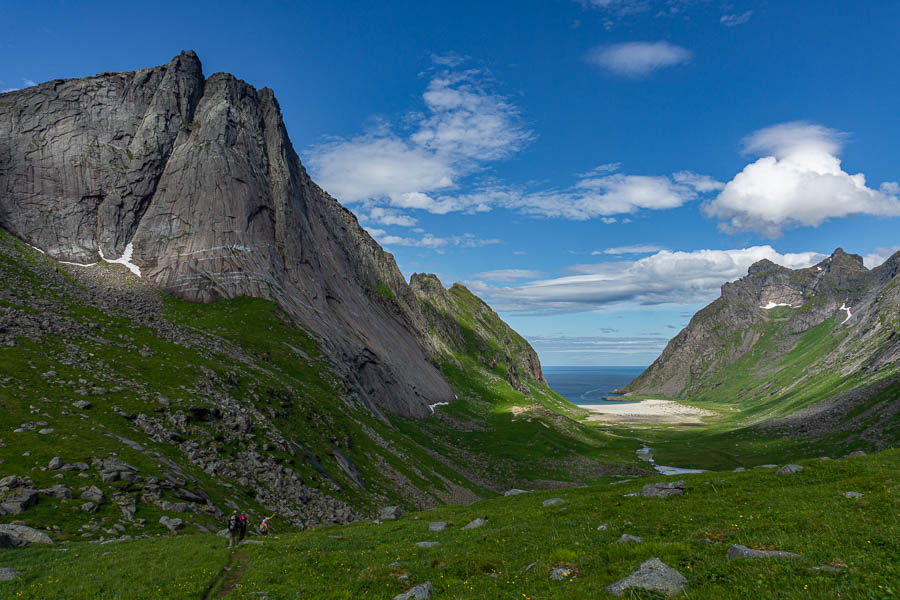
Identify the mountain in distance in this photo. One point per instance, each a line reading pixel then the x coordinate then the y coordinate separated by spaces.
pixel 825 339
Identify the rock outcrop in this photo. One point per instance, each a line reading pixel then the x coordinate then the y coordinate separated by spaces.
pixel 193 182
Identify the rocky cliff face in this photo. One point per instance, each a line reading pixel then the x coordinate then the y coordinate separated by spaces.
pixel 763 317
pixel 196 181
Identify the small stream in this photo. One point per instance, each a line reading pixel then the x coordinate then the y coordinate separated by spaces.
pixel 645 453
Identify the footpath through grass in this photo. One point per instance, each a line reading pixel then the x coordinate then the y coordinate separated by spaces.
pixel 512 554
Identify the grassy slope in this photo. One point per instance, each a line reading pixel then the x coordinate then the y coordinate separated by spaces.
pixel 802 513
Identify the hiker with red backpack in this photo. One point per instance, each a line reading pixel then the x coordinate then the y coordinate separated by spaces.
pixel 264 526
pixel 242 525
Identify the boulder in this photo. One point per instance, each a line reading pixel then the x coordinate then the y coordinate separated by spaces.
pixel 172 525
pixel 55 463
pixel 423 591
pixel 75 467
pixel 81 404
pixel 11 482
pixel 663 489
pixel 562 573
pixel 852 495
pixel 514 492
pixel 89 507
pixel 22 534
pixel 437 526
pixel 789 470
pixel 653 575
pixel 855 454
pixel 7 574
pixel 20 501
pixel 58 491
pixel 427 544
pixel 630 539
pixel 93 494
pixel 475 524
pixel 552 501
pixel 390 512
pixel 737 551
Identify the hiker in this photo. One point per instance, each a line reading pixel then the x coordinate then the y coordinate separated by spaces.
pixel 242 525
pixel 264 526
pixel 233 527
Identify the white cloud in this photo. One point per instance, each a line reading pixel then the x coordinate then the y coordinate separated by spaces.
pixel 797 182
pixel 466 240
pixel 508 274
pixel 597 344
pixel 638 58
pixel 465 127
pixel 663 278
pixel 636 249
pixel 878 256
pixel 28 82
pixel 386 216
pixel 736 19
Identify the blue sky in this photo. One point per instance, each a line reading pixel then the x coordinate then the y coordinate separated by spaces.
pixel 594 169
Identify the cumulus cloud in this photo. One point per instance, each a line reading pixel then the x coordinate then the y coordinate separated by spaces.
pixel 636 249
pixel 386 216
pixel 465 126
pixel 546 345
pixel 25 83
pixel 664 278
pixel 635 59
pixel 798 181
pixel 878 256
pixel 508 274
pixel 736 19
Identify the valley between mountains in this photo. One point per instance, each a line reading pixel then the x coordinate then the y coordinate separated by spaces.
pixel 253 349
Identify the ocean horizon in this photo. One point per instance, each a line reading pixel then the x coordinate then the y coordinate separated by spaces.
pixel 590 385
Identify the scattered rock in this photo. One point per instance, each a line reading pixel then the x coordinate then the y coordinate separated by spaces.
pixel 423 591
pixel 739 470
pixel 427 544
pixel 514 492
pixel 630 539
pixel 663 489
pixel 855 454
pixel 437 526
pixel 58 491
pixel 93 494
pixel 89 507
pixel 82 404
pixel 75 467
pixel 789 470
pixel 765 466
pixel 11 482
pixel 7 574
pixel 46 431
pixel 552 501
pixel 852 495
pixel 603 527
pixel 252 542
pixel 475 524
pixel 737 551
pixel 562 573
pixel 55 463
pixel 653 575
pixel 6 542
pixel 20 501
pixel 172 525
pixel 826 568
pixel 390 512
pixel 23 534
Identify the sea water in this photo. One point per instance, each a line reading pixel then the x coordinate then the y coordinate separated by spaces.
pixel 590 385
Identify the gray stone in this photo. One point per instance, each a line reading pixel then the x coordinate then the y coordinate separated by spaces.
pixel 11 482
pixel 55 463
pixel 475 524
pixel 855 454
pixel 826 568
pixel 81 404
pixel 437 526
pixel 75 467
pixel 653 575
pixel 630 539
pixel 58 491
pixel 93 494
pixel 603 527
pixel 390 512
pixel 6 542
pixel 46 431
pixel 7 574
pixel 737 551
pixel 23 534
pixel 552 501
pixel 89 507
pixel 171 524
pixel 427 544
pixel 852 495
pixel 514 492
pixel 562 573
pixel 663 489
pixel 739 470
pixel 789 470
pixel 20 501
pixel 252 543
pixel 423 591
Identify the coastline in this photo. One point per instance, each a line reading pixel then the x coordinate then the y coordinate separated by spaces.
pixel 647 412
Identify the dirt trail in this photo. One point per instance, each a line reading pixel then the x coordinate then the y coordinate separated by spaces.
pixel 230 575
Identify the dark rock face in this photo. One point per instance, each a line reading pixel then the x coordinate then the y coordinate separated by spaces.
pixel 195 178
pixel 865 305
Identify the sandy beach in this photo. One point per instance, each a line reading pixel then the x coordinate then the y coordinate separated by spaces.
pixel 647 412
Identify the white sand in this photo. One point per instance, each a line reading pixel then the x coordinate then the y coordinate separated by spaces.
pixel 647 412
